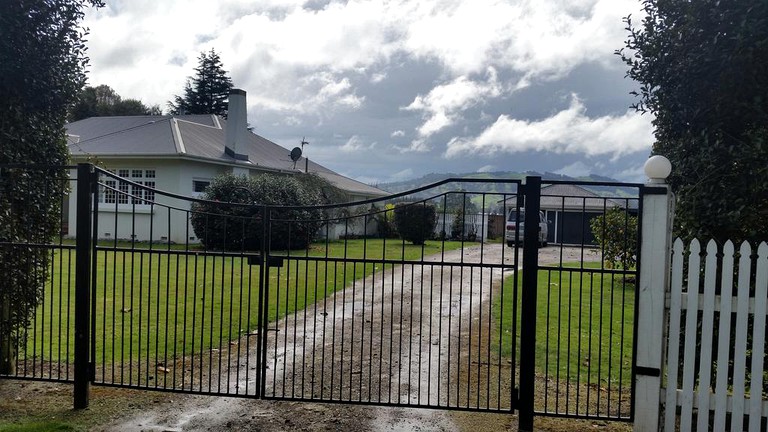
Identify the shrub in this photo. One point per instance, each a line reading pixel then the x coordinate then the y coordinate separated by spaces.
pixel 415 221
pixel 457 227
pixel 616 233
pixel 229 226
pixel 385 221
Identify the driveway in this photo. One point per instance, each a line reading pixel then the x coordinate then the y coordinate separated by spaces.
pixel 400 326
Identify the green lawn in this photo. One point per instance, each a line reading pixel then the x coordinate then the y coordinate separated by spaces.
pixel 165 304
pixel 584 325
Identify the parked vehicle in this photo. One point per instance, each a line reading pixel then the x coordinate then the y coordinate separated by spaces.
pixel 515 230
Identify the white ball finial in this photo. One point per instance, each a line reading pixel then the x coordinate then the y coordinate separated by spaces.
pixel 657 168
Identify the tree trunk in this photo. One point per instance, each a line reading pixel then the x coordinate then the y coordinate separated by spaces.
pixel 7 347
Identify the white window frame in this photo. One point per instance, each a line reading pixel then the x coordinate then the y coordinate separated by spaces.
pixel 128 196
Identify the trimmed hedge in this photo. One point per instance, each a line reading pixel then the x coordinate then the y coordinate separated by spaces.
pixel 415 222
pixel 223 225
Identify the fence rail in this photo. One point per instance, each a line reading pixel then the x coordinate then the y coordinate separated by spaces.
pixel 721 384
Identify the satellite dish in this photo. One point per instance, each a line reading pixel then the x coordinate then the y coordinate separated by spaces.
pixel 295 154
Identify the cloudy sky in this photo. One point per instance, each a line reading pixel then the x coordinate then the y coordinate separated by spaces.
pixel 391 90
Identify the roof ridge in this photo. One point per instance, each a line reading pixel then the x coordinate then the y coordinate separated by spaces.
pixel 178 141
pixel 216 121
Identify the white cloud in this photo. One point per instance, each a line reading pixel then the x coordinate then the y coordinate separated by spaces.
pixel 443 105
pixel 568 131
pixel 635 174
pixel 535 37
pixel 378 77
pixel 269 46
pixel 355 144
pixel 486 168
pixel 576 169
pixel 418 145
pixel 397 134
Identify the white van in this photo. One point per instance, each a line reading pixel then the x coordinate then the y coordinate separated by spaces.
pixel 516 230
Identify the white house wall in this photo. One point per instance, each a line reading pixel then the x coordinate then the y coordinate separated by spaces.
pixel 153 223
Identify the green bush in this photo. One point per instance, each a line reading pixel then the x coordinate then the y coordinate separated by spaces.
pixel 223 225
pixel 616 233
pixel 42 64
pixel 385 221
pixel 415 222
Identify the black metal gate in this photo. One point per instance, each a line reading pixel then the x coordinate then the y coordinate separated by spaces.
pixel 329 303
pixel 360 319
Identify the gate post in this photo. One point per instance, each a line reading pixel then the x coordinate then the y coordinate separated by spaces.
pixel 657 211
pixel 82 284
pixel 528 302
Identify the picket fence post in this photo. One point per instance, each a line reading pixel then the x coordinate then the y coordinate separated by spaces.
pixel 657 212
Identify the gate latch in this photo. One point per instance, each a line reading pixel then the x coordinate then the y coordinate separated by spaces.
pixel 272 261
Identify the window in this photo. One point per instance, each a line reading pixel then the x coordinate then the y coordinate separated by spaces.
pixel 109 191
pixel 200 185
pixel 120 192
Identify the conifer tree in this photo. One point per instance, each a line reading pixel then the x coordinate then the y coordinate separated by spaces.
pixel 207 91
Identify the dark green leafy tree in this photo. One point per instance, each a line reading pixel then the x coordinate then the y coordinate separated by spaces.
pixel 102 101
pixel 224 226
pixel 616 233
pixel 206 92
pixel 703 74
pixel 42 65
pixel 415 222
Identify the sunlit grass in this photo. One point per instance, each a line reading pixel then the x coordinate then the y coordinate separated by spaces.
pixel 170 302
pixel 584 324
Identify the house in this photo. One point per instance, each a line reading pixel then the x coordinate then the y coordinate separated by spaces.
pixel 178 154
pixel 569 209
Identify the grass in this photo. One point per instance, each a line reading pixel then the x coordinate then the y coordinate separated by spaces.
pixel 49 426
pixel 167 302
pixel 584 325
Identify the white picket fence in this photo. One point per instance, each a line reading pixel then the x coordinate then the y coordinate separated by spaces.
pixel 691 400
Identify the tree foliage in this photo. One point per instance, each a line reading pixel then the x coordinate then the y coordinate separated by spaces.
pixel 415 222
pixel 102 101
pixel 42 63
pixel 221 225
pixel 616 233
pixel 703 74
pixel 206 92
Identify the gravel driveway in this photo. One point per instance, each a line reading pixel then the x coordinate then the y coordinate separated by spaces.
pixel 410 335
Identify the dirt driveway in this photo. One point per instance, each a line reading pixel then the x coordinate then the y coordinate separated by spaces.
pixel 408 338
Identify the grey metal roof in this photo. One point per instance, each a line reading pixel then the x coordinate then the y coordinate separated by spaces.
pixel 195 136
pixel 574 197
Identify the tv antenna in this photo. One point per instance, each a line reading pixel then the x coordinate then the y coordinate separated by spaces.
pixel 304 142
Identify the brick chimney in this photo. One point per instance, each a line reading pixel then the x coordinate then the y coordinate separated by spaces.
pixel 237 125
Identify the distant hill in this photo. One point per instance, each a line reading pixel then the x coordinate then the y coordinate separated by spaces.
pixel 432 178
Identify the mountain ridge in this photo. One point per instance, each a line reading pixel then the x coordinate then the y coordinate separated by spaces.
pixel 427 179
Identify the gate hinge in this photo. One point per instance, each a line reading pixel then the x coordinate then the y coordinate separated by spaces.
pixel 92 371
